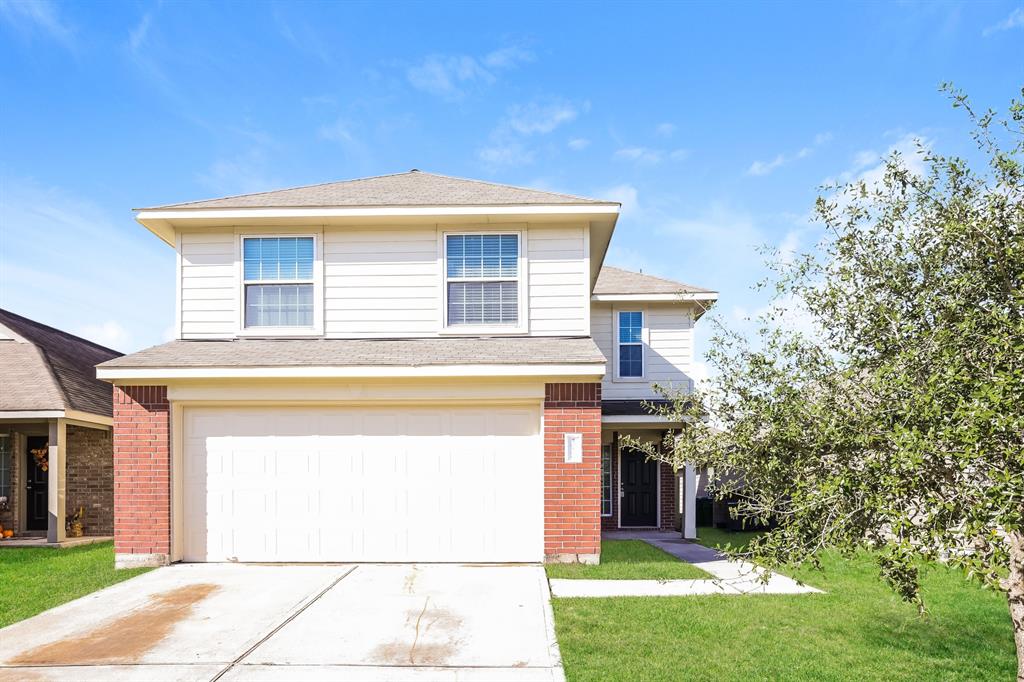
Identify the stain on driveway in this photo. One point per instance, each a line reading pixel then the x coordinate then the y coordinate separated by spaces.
pixel 125 639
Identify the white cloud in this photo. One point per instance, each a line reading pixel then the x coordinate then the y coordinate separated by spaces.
pixel 647 155
pixel 510 154
pixel 506 145
pixel 766 167
pixel 449 75
pixel 540 117
pixel 760 168
pixel 340 131
pixel 624 194
pixel 241 174
pixel 111 334
pixel 869 166
pixel 578 144
pixel 137 36
pixel 639 154
pixel 30 17
pixel 665 129
pixel 1015 20
pixel 507 58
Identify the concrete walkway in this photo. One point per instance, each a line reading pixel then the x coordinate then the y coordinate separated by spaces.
pixel 729 577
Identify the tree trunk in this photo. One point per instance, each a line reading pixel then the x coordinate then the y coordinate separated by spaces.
pixel 1015 597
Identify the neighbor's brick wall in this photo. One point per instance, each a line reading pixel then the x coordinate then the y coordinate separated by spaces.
pixel 90 478
pixel 142 470
pixel 572 492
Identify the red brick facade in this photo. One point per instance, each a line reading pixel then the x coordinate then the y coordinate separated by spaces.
pixel 142 475
pixel 572 492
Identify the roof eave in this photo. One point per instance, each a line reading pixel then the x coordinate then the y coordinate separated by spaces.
pixel 681 297
pixel 126 375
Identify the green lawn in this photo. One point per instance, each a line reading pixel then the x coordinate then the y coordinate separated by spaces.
pixel 716 537
pixel 33 579
pixel 629 560
pixel 858 630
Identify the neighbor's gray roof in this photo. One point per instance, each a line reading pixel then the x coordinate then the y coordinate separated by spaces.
pixel 617 281
pixel 51 369
pixel 364 353
pixel 414 188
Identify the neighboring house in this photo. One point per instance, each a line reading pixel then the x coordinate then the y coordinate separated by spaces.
pixel 402 368
pixel 56 451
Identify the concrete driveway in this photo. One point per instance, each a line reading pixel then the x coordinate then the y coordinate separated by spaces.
pixel 251 622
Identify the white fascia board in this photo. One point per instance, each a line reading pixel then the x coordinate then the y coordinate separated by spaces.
pixel 32 414
pixel 668 298
pixel 436 371
pixel 376 211
pixel 77 416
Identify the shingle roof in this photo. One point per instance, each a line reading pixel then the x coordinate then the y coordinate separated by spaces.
pixel 51 369
pixel 413 188
pixel 364 352
pixel 617 281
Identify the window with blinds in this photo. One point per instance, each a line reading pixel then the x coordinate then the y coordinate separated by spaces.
pixel 278 281
pixel 482 279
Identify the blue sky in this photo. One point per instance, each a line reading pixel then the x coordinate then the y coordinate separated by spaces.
pixel 714 124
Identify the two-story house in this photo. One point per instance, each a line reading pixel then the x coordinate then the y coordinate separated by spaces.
pixel 401 368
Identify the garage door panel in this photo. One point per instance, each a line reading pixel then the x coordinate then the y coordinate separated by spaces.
pixel 369 484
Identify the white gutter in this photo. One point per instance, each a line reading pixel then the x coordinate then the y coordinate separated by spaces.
pixel 74 415
pixel 436 371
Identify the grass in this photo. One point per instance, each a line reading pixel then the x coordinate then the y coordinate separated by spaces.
pixel 629 560
pixel 720 539
pixel 33 579
pixel 859 629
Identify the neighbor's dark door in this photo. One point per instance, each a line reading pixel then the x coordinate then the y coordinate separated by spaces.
pixel 35 486
pixel 639 489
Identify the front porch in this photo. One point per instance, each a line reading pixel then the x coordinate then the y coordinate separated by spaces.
pixel 640 495
pixel 56 480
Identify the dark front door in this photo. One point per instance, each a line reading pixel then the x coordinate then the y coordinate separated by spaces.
pixel 35 486
pixel 639 489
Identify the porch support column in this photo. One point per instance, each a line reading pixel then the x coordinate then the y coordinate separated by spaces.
pixel 56 491
pixel 689 502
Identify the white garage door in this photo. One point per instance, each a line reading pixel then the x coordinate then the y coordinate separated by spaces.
pixel 363 484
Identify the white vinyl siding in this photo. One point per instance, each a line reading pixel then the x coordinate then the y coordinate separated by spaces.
pixel 386 281
pixel 381 282
pixel 209 287
pixel 668 357
pixel 559 280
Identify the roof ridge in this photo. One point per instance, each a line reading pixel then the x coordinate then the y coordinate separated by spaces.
pixel 22 318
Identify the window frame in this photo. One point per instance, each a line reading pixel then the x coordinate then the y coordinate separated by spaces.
pixel 522 324
pixel 606 452
pixel 643 343
pixel 316 329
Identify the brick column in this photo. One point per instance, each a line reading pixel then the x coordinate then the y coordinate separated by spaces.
pixel 572 492
pixel 142 476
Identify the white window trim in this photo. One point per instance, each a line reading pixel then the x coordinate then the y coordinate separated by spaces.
pixel 523 325
pixel 318 288
pixel 611 482
pixel 645 342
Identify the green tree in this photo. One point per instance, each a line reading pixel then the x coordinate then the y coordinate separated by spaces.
pixel 897 423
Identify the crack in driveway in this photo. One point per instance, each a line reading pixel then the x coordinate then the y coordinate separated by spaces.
pixel 283 623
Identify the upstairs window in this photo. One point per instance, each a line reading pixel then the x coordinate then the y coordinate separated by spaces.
pixel 631 344
pixel 482 279
pixel 278 281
